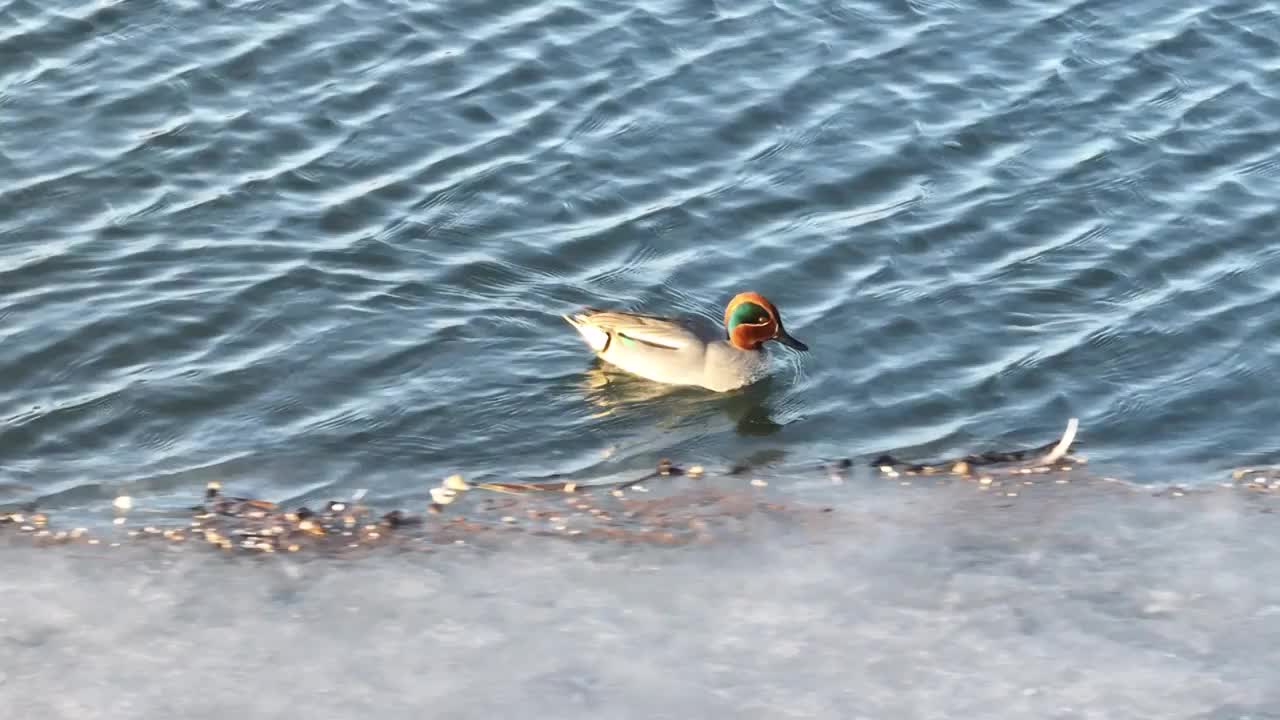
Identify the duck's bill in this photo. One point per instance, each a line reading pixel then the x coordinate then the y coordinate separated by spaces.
pixel 789 341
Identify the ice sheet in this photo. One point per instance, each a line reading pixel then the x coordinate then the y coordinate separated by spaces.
pixel 1065 601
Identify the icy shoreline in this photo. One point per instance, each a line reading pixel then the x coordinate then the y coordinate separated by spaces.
pixel 1066 600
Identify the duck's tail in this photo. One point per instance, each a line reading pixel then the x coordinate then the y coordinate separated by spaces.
pixel 597 338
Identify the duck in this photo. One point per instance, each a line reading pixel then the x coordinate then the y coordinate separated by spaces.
pixel 685 351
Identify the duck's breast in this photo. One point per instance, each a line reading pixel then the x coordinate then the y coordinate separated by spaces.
pixel 728 368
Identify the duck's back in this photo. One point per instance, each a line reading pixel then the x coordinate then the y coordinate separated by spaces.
pixel 687 350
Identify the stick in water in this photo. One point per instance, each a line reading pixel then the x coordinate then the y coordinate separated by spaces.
pixel 1063 445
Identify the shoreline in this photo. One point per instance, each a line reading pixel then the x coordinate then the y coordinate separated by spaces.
pixel 936 599
pixel 672 506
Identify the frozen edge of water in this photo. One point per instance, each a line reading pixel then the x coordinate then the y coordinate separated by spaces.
pixel 1081 600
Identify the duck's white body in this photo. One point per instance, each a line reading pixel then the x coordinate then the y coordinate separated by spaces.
pixel 674 351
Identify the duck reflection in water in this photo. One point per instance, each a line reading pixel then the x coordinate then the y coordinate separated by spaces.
pixel 611 391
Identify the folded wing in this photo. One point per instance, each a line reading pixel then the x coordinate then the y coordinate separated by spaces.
pixel 603 327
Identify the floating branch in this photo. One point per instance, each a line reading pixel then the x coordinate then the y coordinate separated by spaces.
pixel 665 468
pixel 1063 445
pixel 1043 459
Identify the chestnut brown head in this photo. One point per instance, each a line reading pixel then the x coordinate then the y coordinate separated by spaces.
pixel 751 321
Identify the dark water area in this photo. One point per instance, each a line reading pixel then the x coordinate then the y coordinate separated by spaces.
pixel 308 248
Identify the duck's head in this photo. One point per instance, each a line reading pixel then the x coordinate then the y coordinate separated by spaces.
pixel 752 321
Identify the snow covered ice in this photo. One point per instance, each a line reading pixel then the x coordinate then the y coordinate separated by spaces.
pixel 1063 601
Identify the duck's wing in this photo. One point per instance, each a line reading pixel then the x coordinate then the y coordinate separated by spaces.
pixel 601 327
